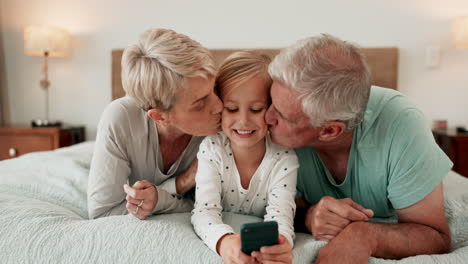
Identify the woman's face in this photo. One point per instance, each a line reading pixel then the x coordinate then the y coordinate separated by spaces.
pixel 243 119
pixel 197 110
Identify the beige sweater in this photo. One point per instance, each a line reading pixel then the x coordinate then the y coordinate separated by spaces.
pixel 126 151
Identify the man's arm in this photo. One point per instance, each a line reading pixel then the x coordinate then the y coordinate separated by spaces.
pixel 422 229
pixel 327 218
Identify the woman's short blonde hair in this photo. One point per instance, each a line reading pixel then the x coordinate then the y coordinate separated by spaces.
pixel 241 66
pixel 159 63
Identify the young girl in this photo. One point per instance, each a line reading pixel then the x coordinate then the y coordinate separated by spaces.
pixel 239 169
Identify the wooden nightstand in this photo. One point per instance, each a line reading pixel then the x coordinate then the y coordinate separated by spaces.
pixel 16 141
pixel 455 145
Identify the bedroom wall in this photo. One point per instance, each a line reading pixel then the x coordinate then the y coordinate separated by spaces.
pixel 81 83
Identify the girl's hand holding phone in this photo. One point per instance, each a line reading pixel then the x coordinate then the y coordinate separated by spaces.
pixel 281 253
pixel 229 247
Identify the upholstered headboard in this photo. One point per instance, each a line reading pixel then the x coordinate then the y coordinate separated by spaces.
pixel 383 63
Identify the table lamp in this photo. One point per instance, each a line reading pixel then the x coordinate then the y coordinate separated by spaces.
pixel 460 33
pixel 46 41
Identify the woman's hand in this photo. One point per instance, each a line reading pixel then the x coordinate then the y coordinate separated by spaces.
pixel 229 247
pixel 281 253
pixel 141 199
pixel 186 180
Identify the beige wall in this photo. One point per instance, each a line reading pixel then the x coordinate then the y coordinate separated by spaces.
pixel 81 83
pixel 4 107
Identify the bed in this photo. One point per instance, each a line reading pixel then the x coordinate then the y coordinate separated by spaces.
pixel 43 211
pixel 44 219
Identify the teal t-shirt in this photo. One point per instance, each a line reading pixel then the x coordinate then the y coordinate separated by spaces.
pixel 394 161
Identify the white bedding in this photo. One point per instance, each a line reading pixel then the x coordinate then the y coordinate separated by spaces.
pixel 43 219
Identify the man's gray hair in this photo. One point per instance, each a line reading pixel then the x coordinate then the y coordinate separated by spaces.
pixel 331 76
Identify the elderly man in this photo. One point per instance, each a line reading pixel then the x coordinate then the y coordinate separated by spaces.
pixel 370 177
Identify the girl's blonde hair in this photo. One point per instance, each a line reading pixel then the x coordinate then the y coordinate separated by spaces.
pixel 159 64
pixel 241 66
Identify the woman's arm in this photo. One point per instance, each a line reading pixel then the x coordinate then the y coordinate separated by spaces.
pixel 109 171
pixel 185 181
pixel 111 167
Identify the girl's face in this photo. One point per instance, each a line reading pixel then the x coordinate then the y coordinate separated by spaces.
pixel 243 117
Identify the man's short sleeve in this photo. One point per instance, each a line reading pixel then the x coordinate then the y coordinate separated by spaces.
pixel 416 163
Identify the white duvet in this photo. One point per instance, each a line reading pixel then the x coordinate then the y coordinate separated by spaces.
pixel 43 219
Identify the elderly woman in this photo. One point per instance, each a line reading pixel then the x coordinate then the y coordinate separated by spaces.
pixel 147 142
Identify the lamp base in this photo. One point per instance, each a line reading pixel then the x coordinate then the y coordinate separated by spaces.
pixel 462 129
pixel 45 123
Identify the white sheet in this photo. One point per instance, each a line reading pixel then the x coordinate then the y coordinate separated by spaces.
pixel 43 219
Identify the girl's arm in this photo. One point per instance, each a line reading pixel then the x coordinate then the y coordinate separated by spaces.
pixel 281 206
pixel 206 216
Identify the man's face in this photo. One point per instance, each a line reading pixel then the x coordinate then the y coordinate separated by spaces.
pixel 197 110
pixel 289 126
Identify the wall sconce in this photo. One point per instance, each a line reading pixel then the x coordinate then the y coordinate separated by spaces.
pixel 46 41
pixel 460 33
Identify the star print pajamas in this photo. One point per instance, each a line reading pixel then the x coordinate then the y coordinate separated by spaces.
pixel 270 193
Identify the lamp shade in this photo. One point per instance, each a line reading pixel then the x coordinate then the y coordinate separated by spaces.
pixel 460 33
pixel 41 39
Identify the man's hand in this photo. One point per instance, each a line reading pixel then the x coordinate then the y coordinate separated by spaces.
pixel 422 229
pixel 330 216
pixel 141 199
pixel 352 246
pixel 229 247
pixel 281 253
pixel 186 180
